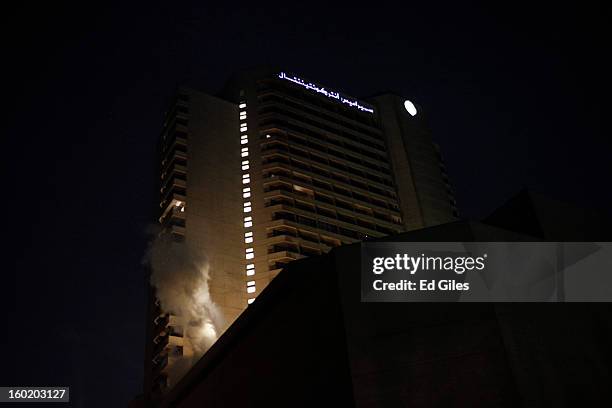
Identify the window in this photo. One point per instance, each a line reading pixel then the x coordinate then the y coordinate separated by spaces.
pixel 303 191
pixel 250 269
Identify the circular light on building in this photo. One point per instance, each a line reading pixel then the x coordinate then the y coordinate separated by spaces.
pixel 410 108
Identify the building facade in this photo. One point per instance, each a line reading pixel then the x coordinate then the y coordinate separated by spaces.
pixel 277 168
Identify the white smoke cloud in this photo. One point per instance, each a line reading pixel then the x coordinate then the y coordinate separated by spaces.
pixel 180 276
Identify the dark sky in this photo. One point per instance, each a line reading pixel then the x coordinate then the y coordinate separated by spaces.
pixel 513 93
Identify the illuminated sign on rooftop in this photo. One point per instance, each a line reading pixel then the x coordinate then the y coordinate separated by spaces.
pixel 325 92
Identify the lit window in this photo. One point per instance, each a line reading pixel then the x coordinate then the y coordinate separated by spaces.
pixel 243 116
pixel 268 136
pixel 251 289
pixel 250 272
pixel 250 266
pixel 245 149
pixel 248 224
pixel 248 234
pixel 247 209
pixel 244 141
pixel 246 195
pixel 246 181
pixel 242 105
pixel 246 189
pixel 244 137
pixel 248 240
pixel 249 256
pixel 251 283
pixel 245 167
pixel 251 300
pixel 178 203
pixel 244 154
pixel 247 204
pixel 248 250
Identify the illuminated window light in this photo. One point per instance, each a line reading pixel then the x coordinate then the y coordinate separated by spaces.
pixel 248 224
pixel 248 218
pixel 244 137
pixel 243 112
pixel 251 300
pixel 244 154
pixel 250 272
pixel 247 204
pixel 248 234
pixel 243 117
pixel 246 181
pixel 251 283
pixel 245 162
pixel 251 289
pixel 249 250
pixel 178 203
pixel 245 176
pixel 246 195
pixel 250 266
pixel 245 167
pixel 249 256
pixel 248 240
pixel 247 209
pixel 245 149
pixel 244 141
pixel 242 105
pixel 268 136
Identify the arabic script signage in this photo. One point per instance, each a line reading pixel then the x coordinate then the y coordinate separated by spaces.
pixel 325 92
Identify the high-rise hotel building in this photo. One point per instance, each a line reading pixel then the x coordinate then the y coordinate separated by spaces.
pixel 277 167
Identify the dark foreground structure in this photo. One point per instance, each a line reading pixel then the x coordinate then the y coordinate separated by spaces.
pixel 309 341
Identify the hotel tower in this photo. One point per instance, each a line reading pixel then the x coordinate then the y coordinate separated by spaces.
pixel 277 167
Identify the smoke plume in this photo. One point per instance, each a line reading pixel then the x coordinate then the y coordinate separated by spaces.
pixel 180 276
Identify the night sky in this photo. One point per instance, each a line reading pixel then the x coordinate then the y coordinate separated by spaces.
pixel 513 94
